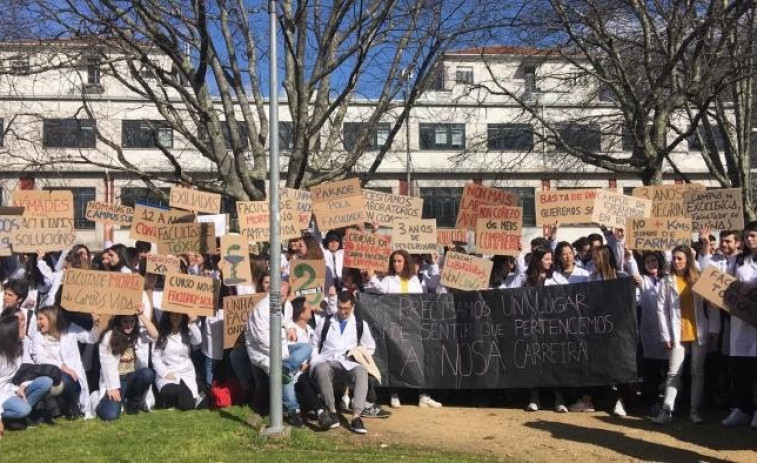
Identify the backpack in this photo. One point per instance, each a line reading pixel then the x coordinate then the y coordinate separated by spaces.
pixel 327 324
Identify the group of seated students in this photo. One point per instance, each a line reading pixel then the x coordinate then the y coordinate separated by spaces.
pixel 156 358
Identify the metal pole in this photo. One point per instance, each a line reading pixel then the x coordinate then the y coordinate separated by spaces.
pixel 407 147
pixel 275 426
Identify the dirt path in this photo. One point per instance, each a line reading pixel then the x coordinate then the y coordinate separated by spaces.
pixel 546 436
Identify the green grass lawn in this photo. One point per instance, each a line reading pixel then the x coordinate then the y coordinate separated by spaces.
pixel 168 435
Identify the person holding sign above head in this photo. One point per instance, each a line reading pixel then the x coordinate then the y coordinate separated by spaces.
pixel 57 343
pixel 743 339
pixel 125 377
pixel 685 329
pixel 175 375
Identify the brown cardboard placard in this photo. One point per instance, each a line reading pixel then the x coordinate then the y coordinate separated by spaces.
pixel 195 200
pixel 667 200
pixel 148 219
pixel 96 291
pixel 307 278
pixel 235 261
pixel 499 230
pixel 475 195
pixel 565 206
pixel 31 240
pixel 384 208
pixel 111 213
pixel 416 236
pixel 612 209
pixel 338 204
pixel 159 264
pixel 712 285
pixel 299 203
pixel 451 236
pixel 366 250
pixel 741 301
pixel 45 203
pixel 189 294
pixel 9 225
pixel 255 221
pixel 717 209
pixel 182 238
pixel 236 313
pixel 465 272
pixel 656 233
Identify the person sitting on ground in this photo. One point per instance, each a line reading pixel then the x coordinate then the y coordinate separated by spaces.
pixel 332 364
pixel 175 375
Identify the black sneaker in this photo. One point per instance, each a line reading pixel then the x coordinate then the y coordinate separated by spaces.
pixel 328 420
pixel 357 427
pixel 295 420
pixel 15 425
pixel 375 411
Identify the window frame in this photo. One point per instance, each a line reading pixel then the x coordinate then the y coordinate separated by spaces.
pixel 576 128
pixel 353 128
pixel 63 139
pixel 492 140
pixel 147 135
pixel 437 200
pixel 464 75
pixel 430 126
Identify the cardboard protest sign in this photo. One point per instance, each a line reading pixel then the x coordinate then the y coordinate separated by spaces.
pixel 192 295
pixel 94 291
pixel 338 204
pixel 741 301
pixel 498 230
pixel 366 250
pixel 300 203
pixel 565 206
pixel 613 209
pixel 451 236
pixel 235 261
pixel 657 234
pixel 162 264
pixel 236 312
pixel 465 272
pixel 219 221
pixel 195 200
pixel 147 220
pixel 384 208
pixel 416 236
pixel 255 221
pixel 45 203
pixel 28 240
pixel 182 238
pixel 475 195
pixel 9 225
pixel 712 284
pixel 109 213
pixel 667 200
pixel 307 278
pixel 718 209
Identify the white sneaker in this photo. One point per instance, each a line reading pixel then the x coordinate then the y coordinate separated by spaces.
pixel 532 407
pixel 346 402
pixel 619 410
pixel 425 401
pixel 394 402
pixel 581 406
pixel 754 421
pixel 561 408
pixel 736 418
pixel 665 416
pixel 695 417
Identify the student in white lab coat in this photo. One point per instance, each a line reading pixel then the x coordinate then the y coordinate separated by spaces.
pixel 175 374
pixel 125 377
pixel 743 339
pixel 57 343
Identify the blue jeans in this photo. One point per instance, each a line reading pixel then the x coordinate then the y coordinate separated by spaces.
pixel 289 399
pixel 71 390
pixel 16 407
pixel 133 386
pixel 298 354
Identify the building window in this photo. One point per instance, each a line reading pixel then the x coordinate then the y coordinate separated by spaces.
pixel 605 93
pixel 93 71
pixel 377 138
pixel 243 134
pixel 81 197
pixel 442 136
pixel 464 75
pixel 717 139
pixel 510 137
pixel 585 137
pixel 146 134
pixel 131 196
pixel 628 142
pixel 441 203
pixel 68 133
pixel 286 135
pixel 20 66
pixel 437 80
pixel 528 202
pixel 529 79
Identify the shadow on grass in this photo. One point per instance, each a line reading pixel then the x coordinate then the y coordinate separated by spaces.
pixel 618 442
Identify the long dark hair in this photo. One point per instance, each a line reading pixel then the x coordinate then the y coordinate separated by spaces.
pixel 745 251
pixel 533 273
pixel 407 269
pixel 558 253
pixel 124 260
pixel 165 328
pixel 660 257
pixel 502 267
pixel 120 341
pixel 314 251
pixel 11 346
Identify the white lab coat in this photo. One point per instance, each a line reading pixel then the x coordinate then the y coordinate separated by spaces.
pixel 109 377
pixel 7 372
pixel 669 315
pixel 743 338
pixel 390 284
pixel 65 351
pixel 337 343
pixel 649 327
pixel 176 358
pixel 578 275
pixel 257 334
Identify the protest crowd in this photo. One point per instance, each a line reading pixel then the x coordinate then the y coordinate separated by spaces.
pixel 181 319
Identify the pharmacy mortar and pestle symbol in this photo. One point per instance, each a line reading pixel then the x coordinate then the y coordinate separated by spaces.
pixel 233 260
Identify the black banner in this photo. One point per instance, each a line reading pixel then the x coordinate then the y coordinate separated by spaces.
pixel 556 336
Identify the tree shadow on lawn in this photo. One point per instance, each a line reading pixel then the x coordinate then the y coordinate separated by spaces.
pixel 710 435
pixel 618 442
